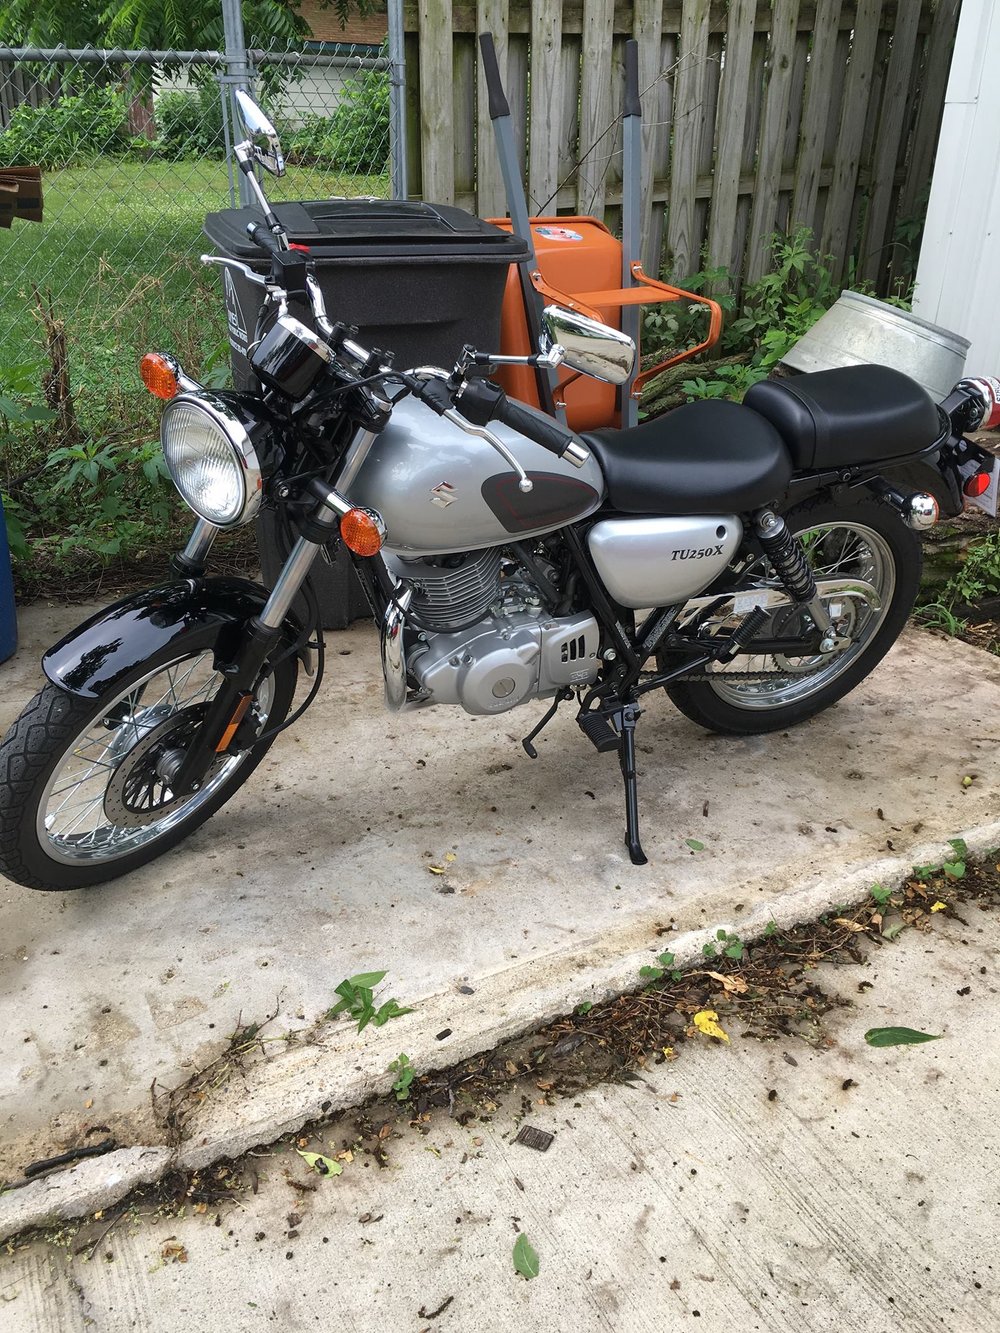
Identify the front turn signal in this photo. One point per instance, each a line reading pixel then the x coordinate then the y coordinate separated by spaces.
pixel 159 374
pixel 362 531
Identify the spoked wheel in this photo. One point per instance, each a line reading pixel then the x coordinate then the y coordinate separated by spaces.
pixel 752 694
pixel 85 791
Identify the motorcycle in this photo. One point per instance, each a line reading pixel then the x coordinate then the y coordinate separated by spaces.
pixel 755 561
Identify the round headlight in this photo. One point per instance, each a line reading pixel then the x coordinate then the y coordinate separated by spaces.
pixel 211 459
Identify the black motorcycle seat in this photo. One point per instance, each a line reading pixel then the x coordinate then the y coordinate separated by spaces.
pixel 857 414
pixel 703 458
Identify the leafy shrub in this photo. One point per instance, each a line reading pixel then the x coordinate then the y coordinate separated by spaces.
pixel 355 138
pixel 775 313
pixel 189 124
pixel 71 130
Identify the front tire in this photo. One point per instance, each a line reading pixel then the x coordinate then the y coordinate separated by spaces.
pixel 82 796
pixel 862 540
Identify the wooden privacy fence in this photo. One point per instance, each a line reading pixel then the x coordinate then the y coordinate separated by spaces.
pixel 759 115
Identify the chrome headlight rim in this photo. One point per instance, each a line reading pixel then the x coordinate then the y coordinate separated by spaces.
pixel 244 455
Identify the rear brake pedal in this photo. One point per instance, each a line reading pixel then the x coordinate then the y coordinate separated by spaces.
pixel 598 730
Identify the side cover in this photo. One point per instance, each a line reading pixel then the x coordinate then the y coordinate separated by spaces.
pixel 150 629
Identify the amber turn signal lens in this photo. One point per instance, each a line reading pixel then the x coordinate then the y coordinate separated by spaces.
pixel 362 531
pixel 158 375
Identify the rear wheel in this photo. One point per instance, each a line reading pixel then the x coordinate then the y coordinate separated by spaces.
pixel 864 541
pixel 85 784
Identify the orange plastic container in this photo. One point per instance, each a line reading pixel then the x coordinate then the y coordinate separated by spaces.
pixel 574 255
pixel 580 266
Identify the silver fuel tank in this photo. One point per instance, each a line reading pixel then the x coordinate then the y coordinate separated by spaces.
pixel 440 491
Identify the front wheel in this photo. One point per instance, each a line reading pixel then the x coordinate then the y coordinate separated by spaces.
pixel 84 784
pixel 755 694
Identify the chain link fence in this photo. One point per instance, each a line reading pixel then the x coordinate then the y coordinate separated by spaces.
pixel 135 150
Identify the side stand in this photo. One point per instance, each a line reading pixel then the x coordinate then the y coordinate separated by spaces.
pixel 625 722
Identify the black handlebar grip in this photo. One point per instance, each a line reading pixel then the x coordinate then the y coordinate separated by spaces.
pixel 499 106
pixel 632 107
pixel 264 237
pixel 549 434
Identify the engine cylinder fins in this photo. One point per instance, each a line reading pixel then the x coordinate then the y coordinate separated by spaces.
pixel 453 590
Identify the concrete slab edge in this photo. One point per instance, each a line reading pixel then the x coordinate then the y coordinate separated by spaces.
pixel 339 1070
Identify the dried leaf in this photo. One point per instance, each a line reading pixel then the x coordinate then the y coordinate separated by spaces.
pixel 847 925
pixel 436 870
pixel 174 1252
pixel 450 856
pixel 939 906
pixel 323 1166
pixel 707 1021
pixel 735 985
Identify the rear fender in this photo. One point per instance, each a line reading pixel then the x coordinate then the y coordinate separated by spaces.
pixel 152 628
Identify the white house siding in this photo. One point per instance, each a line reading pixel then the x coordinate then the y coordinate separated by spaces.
pixel 958 273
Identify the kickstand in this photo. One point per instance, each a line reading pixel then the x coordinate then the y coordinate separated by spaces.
pixel 625 722
pixel 560 698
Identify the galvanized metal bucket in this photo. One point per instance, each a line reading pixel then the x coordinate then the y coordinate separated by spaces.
pixel 859 330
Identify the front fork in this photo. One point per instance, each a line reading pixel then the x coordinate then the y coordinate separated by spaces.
pixel 241 673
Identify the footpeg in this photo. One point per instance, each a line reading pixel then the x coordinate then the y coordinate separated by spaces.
pixel 598 730
pixel 744 633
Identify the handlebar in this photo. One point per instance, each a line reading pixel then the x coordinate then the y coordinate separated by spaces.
pixel 480 402
pixel 264 237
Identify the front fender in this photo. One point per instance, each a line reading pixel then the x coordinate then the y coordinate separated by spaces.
pixel 152 628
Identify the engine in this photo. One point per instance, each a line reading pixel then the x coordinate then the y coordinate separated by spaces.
pixel 486 641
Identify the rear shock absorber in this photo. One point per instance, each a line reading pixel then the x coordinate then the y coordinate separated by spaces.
pixel 792 568
pixel 786 555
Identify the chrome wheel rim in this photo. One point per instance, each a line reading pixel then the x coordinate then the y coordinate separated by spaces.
pixel 835 550
pixel 73 824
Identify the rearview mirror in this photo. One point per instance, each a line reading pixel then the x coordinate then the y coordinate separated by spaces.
pixel 265 146
pixel 592 348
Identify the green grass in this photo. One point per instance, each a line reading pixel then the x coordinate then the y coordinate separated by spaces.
pixel 118 250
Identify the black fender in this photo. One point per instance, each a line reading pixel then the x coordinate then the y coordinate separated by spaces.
pixel 152 628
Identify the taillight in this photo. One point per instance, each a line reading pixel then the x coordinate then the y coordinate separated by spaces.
pixel 977 484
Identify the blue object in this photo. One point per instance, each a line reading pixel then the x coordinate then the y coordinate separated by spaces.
pixel 8 617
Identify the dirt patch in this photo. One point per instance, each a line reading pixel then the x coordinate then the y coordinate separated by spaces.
pixel 769 990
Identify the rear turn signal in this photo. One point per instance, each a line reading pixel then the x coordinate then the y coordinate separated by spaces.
pixel 159 374
pixel 362 531
pixel 977 484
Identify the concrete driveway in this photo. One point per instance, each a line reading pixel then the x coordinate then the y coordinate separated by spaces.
pixel 321 868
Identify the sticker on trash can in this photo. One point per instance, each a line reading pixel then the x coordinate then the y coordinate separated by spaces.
pixel 559 233
pixel 234 311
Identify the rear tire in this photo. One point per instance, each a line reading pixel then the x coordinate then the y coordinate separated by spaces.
pixel 882 540
pixel 57 730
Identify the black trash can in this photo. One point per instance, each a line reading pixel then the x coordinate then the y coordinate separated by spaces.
pixel 420 280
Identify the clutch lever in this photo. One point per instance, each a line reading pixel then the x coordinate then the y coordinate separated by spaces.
pixel 272 289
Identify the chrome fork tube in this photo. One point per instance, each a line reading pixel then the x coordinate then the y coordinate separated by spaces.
pixel 322 526
pixel 191 560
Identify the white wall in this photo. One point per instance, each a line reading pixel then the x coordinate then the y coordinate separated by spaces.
pixel 958 273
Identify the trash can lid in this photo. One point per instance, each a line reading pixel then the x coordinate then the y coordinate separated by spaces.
pixel 365 229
